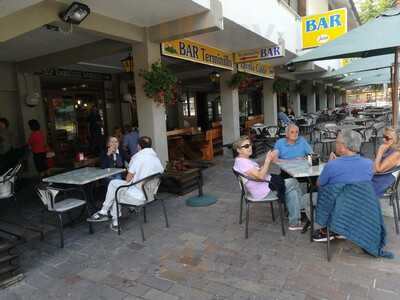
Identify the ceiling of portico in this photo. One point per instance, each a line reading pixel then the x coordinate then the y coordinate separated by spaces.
pixel 143 13
pixel 233 38
pixel 40 42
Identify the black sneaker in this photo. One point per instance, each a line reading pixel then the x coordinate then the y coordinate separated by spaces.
pixel 320 236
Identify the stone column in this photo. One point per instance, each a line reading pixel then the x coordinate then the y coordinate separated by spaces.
pixel 151 117
pixel 229 109
pixel 28 85
pixel 311 98
pixel 323 101
pixel 331 100
pixel 270 103
pixel 295 100
pixel 338 99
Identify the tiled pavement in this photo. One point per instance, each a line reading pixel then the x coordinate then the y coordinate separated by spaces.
pixel 203 255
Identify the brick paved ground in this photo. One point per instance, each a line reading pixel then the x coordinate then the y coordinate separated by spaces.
pixel 203 255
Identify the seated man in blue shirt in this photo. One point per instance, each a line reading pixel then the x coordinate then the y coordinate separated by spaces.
pixel 348 167
pixel 283 117
pixel 292 146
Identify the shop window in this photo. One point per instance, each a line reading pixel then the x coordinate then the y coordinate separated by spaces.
pixel 369 97
pixel 189 106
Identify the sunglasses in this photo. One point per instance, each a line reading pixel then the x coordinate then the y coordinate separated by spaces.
pixel 246 146
pixel 388 138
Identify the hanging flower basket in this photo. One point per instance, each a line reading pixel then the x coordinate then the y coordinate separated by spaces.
pixel 281 86
pixel 238 81
pixel 160 84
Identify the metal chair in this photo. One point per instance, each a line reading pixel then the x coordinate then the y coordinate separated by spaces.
pixel 248 199
pixel 7 190
pixel 149 186
pixel 393 196
pixel 47 194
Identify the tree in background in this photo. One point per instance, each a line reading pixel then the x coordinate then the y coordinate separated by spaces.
pixel 370 9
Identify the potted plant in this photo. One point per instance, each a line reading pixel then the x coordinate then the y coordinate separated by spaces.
pixel 238 80
pixel 160 84
pixel 281 86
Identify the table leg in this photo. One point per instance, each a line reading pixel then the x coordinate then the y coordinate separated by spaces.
pixel 200 183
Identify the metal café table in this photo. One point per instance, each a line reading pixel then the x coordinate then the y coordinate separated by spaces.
pixel 84 178
pixel 351 127
pixel 300 168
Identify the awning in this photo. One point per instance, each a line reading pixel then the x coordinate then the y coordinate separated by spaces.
pixel 363 64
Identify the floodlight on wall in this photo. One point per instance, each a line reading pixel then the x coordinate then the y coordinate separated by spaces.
pixel 75 13
pixel 127 63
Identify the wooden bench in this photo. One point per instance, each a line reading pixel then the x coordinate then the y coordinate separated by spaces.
pixel 251 120
pixel 213 143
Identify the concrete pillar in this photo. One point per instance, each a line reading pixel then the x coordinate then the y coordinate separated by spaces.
pixel 338 98
pixel 229 109
pixel 28 85
pixel 331 100
pixel 323 101
pixel 295 100
pixel 151 117
pixel 270 103
pixel 9 104
pixel 311 98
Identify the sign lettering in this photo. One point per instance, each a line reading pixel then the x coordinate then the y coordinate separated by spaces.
pixel 258 68
pixel 259 54
pixel 196 52
pixel 319 29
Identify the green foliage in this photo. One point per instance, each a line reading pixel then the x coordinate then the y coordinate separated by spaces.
pixel 370 9
pixel 281 86
pixel 160 83
pixel 236 80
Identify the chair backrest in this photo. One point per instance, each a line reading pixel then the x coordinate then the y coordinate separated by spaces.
pixel 241 180
pixel 7 181
pixel 273 131
pixel 47 196
pixel 150 186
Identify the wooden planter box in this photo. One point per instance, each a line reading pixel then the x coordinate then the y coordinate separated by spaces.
pixel 180 182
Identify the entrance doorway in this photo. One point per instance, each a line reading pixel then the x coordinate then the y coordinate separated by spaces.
pixel 67 111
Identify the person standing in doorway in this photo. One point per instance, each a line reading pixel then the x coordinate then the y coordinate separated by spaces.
pixel 37 144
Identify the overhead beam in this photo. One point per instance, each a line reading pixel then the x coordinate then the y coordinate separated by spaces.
pixel 28 19
pixel 205 22
pixel 47 11
pixel 70 56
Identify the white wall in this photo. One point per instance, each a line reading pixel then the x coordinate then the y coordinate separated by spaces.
pixel 267 18
pixel 317 6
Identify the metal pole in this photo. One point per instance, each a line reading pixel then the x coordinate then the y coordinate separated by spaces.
pixel 395 88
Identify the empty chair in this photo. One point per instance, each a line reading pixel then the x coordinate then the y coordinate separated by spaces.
pixel 149 187
pixel 47 194
pixel 7 189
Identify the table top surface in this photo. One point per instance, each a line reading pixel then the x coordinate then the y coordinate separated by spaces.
pixel 299 168
pixel 371 113
pixel 83 176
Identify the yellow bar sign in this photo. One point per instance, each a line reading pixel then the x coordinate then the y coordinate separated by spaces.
pixel 196 52
pixel 320 29
pixel 258 68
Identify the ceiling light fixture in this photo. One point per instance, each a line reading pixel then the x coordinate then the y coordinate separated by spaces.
pixel 214 76
pixel 75 13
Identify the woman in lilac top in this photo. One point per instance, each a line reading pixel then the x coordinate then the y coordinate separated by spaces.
pixel 289 189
